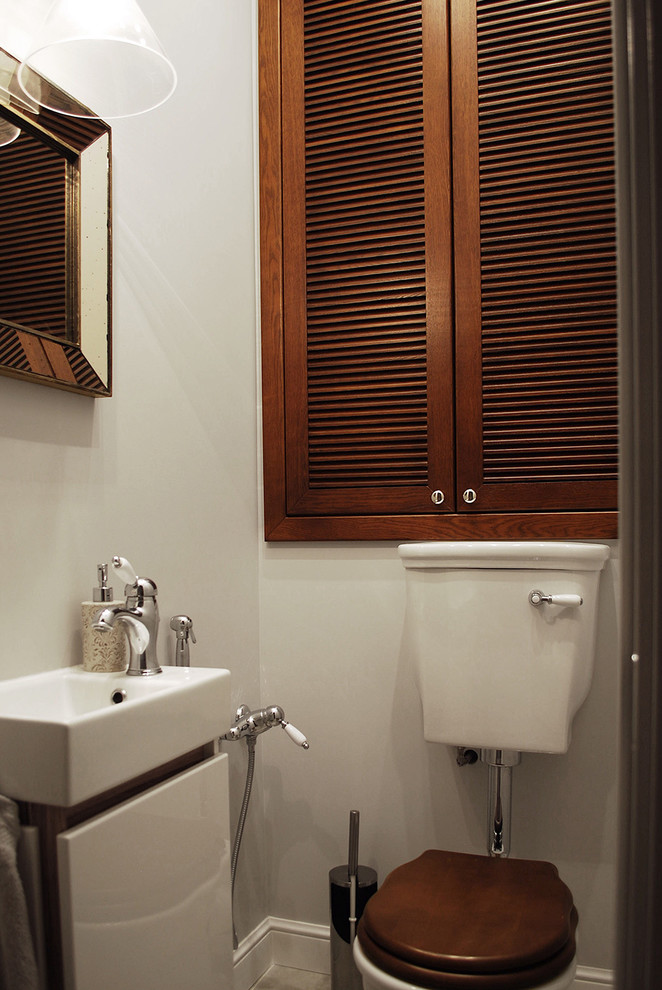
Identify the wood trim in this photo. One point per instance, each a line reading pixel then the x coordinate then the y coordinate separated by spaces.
pixel 271 265
pixel 469 526
pixel 294 250
pixel 439 253
pixel 466 227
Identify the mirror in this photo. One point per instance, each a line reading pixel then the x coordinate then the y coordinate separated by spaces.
pixel 55 243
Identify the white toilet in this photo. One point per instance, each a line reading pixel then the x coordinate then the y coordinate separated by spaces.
pixel 501 636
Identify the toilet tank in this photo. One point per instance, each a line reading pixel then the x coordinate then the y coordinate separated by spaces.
pixel 493 670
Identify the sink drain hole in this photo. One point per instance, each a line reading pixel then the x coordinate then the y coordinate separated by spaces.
pixel 118 696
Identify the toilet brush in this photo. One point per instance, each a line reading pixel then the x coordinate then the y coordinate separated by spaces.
pixel 352 869
pixel 350 888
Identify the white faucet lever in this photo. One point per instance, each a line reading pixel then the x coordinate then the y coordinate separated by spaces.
pixel 295 734
pixel 124 570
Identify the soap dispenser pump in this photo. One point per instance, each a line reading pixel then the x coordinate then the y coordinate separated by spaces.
pixel 105 652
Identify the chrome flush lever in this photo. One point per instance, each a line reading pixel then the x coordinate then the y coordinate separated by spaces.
pixel 564 601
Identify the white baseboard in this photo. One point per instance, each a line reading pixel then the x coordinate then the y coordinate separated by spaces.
pixel 253 957
pixel 589 978
pixel 280 942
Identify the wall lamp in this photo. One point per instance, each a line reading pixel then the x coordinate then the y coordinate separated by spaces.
pixel 104 53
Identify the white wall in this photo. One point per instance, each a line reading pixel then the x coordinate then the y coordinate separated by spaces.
pixel 165 473
pixel 332 619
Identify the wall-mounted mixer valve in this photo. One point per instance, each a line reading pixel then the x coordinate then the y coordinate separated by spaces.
pixel 248 723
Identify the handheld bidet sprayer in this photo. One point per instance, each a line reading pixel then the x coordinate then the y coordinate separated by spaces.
pixel 249 725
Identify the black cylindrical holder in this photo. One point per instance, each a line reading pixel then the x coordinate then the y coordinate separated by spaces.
pixel 344 974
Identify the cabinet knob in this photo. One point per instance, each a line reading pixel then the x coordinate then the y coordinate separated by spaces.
pixel 437 497
pixel 469 496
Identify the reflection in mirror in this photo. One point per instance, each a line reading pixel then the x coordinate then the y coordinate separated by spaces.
pixel 55 246
pixel 8 132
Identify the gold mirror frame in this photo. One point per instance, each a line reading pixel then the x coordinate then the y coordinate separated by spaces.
pixel 72 351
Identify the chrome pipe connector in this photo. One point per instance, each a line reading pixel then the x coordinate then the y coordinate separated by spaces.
pixel 499 798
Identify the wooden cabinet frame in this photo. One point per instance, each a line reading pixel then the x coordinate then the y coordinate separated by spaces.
pixel 295 509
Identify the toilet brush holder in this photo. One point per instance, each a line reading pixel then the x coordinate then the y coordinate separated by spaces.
pixel 344 974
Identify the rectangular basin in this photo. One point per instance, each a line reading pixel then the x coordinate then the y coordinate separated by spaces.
pixel 68 734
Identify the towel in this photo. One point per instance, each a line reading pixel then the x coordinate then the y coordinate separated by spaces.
pixel 18 968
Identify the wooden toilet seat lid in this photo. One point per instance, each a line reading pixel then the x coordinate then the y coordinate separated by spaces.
pixel 457 913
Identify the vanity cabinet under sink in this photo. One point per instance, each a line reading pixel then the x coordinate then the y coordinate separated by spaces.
pixel 145 894
pixel 136 881
pixel 122 779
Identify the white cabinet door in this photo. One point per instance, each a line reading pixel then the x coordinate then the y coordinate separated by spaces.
pixel 145 889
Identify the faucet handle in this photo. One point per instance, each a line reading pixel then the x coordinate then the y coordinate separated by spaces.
pixel 296 735
pixel 134 587
pixel 125 571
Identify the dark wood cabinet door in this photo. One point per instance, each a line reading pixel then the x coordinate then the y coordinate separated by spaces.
pixel 366 256
pixel 535 255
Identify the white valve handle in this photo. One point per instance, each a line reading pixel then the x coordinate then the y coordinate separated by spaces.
pixel 124 570
pixel 563 601
pixel 295 735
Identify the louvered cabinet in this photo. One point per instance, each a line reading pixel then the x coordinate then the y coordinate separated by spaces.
pixel 438 270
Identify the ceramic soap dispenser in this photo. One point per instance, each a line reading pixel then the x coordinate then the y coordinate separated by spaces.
pixel 104 652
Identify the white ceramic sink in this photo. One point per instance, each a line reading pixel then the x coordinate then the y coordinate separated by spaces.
pixel 63 739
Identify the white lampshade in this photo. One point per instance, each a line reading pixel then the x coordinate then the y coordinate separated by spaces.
pixel 101 52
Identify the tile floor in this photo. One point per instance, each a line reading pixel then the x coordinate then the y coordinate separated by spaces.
pixel 282 978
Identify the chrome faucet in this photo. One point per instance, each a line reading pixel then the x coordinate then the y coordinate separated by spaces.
pixel 139 616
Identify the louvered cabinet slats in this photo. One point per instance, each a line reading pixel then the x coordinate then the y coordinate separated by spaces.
pixel 359 144
pixel 438 269
pixel 539 155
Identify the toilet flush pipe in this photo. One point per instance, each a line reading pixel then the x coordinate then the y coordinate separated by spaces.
pixel 499 798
